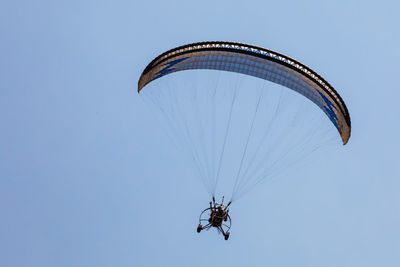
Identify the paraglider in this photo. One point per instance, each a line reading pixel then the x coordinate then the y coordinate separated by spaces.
pixel 219 104
pixel 217 215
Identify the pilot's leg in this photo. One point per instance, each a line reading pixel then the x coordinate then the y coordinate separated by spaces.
pixel 221 230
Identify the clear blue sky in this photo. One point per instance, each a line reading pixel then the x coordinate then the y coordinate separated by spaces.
pixel 88 179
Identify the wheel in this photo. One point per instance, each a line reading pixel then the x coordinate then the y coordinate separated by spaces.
pixel 199 228
pixel 226 235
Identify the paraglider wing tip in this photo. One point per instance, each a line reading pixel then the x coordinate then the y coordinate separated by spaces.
pixel 345 141
pixel 345 138
pixel 140 85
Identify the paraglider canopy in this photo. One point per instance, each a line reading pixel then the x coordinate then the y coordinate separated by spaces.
pixel 258 62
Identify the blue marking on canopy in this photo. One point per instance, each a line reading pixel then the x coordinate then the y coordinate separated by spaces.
pixel 168 68
pixel 329 110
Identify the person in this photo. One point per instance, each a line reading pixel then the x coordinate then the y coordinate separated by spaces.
pixel 219 213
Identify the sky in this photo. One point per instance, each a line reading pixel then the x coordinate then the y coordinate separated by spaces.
pixel 88 177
